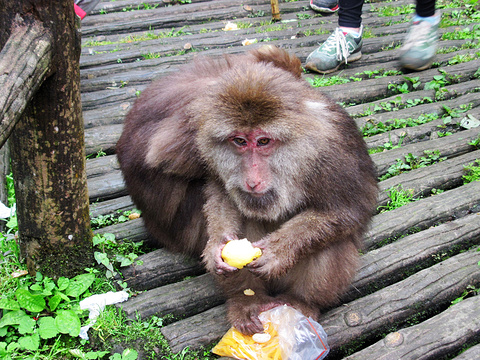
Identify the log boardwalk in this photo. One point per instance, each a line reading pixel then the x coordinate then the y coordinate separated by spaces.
pixel 422 129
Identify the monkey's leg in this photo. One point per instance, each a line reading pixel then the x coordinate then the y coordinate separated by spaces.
pixel 317 281
pixel 242 307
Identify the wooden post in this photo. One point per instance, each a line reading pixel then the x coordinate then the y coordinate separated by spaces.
pixel 275 10
pixel 48 156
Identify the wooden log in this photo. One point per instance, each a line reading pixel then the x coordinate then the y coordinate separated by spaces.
pixel 106 187
pixel 102 139
pixel 422 214
pixel 444 175
pixel 181 299
pixel 437 107
pixel 24 63
pixel 132 230
pixel 160 267
pixel 395 262
pixel 471 353
pixel 122 203
pixel 198 330
pixel 376 88
pixel 102 165
pixel 449 146
pixel 436 338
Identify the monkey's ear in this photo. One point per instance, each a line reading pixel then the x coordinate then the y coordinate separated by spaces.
pixel 280 58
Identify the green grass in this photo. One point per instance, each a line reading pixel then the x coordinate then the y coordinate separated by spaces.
pixel 472 172
pixel 398 198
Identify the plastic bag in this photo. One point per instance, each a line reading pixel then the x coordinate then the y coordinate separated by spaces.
pixel 293 337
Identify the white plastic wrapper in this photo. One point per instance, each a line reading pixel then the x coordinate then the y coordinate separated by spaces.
pixel 300 338
pixel 96 304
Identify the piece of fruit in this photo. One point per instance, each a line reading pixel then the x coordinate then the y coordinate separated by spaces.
pixel 238 253
pixel 249 292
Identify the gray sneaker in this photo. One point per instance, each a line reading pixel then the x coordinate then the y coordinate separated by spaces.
pixel 420 44
pixel 324 6
pixel 340 48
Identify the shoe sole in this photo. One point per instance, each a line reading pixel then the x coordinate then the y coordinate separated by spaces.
pixel 324 10
pixel 415 68
pixel 352 58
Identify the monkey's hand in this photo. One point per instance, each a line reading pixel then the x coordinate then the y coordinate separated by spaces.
pixel 212 256
pixel 272 264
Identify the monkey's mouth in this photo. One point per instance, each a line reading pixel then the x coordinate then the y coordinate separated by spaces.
pixel 256 201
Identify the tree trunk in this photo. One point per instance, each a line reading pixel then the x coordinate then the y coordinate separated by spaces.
pixel 48 156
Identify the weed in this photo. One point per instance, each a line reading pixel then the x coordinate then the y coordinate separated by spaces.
pixel 412 162
pixel 373 128
pixel 320 81
pixel 398 198
pixel 472 172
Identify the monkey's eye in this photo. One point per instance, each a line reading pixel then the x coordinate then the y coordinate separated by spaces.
pixel 263 141
pixel 239 141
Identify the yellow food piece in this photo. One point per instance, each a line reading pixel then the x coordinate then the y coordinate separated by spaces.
pixel 249 292
pixel 134 216
pixel 238 253
pixel 240 346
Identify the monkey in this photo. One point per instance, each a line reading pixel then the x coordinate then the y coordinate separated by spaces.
pixel 242 146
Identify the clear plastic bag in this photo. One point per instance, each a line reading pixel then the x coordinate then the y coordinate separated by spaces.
pixel 293 337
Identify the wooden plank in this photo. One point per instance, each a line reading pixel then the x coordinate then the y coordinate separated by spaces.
pixel 471 353
pixel 436 338
pixel 182 299
pixel 160 267
pixel 132 230
pixel 449 146
pixel 198 330
pixel 122 203
pixel 394 262
pixel 444 175
pixel 422 214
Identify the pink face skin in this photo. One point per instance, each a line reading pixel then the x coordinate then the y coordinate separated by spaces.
pixel 255 148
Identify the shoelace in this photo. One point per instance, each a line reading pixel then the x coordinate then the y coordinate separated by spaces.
pixel 338 41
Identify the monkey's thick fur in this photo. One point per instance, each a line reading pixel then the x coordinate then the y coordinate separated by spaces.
pixel 303 189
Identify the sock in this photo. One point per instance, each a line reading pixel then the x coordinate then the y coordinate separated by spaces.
pixel 431 19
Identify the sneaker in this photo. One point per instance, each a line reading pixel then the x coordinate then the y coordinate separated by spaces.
pixel 340 48
pixel 324 6
pixel 420 44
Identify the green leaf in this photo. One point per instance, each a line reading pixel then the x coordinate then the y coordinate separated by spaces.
pixel 12 317
pixel 62 283
pixel 54 301
pixel 3 332
pixel 79 284
pixel 29 342
pixel 77 353
pixel 47 328
pixel 67 322
pixel 101 258
pixel 26 325
pixel 9 304
pixel 129 354
pixel 96 354
pixel 30 302
pixel 109 237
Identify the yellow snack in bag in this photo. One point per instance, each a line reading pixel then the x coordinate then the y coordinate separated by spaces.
pixel 240 346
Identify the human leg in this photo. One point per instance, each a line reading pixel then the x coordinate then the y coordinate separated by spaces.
pixel 344 44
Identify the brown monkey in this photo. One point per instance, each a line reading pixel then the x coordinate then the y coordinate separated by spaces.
pixel 243 147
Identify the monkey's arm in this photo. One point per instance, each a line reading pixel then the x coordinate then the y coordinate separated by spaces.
pixel 223 225
pixel 306 233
